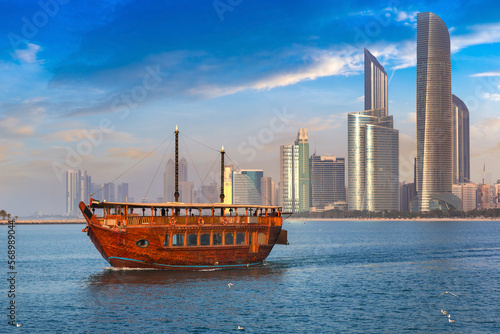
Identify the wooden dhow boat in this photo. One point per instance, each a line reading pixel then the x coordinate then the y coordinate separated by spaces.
pixel 184 236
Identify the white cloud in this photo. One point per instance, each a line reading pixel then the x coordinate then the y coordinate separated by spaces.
pixel 486 74
pixel 491 96
pixel 28 55
pixel 481 34
pixel 406 16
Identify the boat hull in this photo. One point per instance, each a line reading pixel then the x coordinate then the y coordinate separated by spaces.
pixel 118 245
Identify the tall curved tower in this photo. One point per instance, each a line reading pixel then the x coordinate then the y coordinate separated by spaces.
pixel 434 113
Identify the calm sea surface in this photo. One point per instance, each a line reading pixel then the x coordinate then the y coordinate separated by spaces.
pixel 334 277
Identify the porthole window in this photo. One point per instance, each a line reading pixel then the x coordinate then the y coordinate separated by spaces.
pixel 229 239
pixel 205 239
pixel 192 240
pixel 240 238
pixel 217 239
pixel 143 243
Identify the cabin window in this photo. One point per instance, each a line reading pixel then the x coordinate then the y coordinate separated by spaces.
pixel 250 238
pixel 143 243
pixel 167 239
pixel 229 239
pixel 217 239
pixel 192 240
pixel 178 240
pixel 205 239
pixel 240 238
pixel 261 239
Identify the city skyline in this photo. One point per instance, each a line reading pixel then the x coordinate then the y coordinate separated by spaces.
pixel 76 96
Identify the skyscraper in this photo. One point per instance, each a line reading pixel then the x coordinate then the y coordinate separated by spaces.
pixel 294 174
pixel 289 181
pixel 122 192
pixel 303 143
pixel 228 184
pixel 267 190
pixel 246 186
pixel 434 115
pixel 327 180
pixel 373 147
pixel 461 146
pixel 109 192
pixel 78 188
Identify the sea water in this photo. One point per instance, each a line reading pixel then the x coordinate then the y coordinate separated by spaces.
pixel 334 277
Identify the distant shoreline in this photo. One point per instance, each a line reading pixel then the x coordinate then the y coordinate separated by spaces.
pixel 44 221
pixel 395 219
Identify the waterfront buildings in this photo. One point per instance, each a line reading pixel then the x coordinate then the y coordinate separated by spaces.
pixel 169 178
pixel 406 194
pixel 247 186
pixel 496 194
pixel 461 143
pixel 78 188
pixel 294 174
pixel 434 115
pixel 373 147
pixel 268 191
pixel 484 196
pixel 327 181
pixel 108 192
pixel 467 192
pixel 228 184
pixel 122 192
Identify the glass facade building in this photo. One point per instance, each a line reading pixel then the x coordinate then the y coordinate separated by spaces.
pixel 373 147
pixel 246 186
pixel 461 142
pixel 434 175
pixel 289 182
pixel 327 180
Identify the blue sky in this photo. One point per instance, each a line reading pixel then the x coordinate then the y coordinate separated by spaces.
pixel 97 85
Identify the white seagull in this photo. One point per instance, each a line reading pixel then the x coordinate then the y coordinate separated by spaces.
pixel 449 320
pixel 19 325
pixel 241 328
pixel 446 292
pixel 230 285
pixel 444 312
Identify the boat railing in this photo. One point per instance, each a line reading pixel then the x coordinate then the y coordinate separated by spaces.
pixel 122 220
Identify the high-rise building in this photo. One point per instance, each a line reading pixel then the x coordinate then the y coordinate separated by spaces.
pixel 78 188
pixel 434 115
pixel 207 194
pixel 467 192
pixel 373 147
pixel 169 178
pixel 228 184
pixel 327 180
pixel 406 195
pixel 109 192
pixel 461 146
pixel 122 192
pixel 186 192
pixel 496 194
pixel 294 174
pixel 289 181
pixel 303 143
pixel 268 191
pixel 484 196
pixel 246 186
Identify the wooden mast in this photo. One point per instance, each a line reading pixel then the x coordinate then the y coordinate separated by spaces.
pixel 222 178
pixel 176 193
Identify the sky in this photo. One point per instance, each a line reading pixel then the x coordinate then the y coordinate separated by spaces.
pixel 100 85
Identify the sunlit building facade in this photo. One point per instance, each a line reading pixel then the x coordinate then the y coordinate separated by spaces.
pixel 461 146
pixel 373 147
pixel 434 126
pixel 327 180
pixel 289 181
